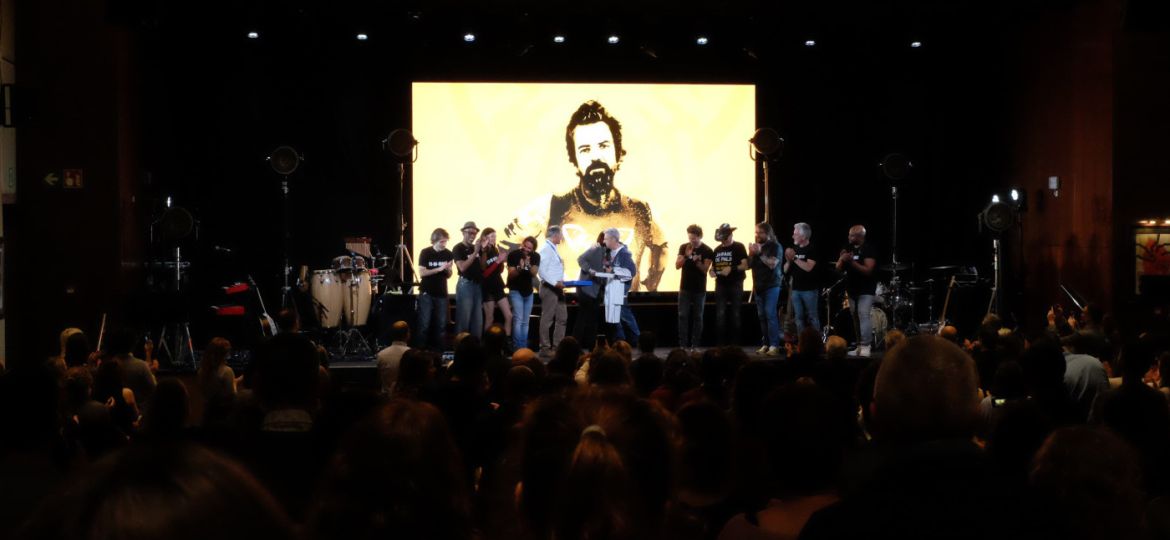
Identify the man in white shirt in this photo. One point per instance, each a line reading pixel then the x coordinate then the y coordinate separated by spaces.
pixel 390 357
pixel 552 292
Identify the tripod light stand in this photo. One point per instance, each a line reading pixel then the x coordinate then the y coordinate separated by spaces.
pixel 403 149
pixel 284 161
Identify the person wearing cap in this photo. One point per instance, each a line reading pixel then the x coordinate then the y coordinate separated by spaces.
pixel 469 289
pixel 729 270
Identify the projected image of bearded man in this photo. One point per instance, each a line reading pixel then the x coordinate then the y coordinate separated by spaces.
pixel 593 140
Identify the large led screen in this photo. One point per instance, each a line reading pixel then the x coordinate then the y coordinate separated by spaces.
pixel 647 159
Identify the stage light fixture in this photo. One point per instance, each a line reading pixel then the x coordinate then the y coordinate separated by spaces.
pixel 915 44
pixel 362 37
pixel 994 199
pixel 810 43
pixel 253 35
pixel 896 166
pixel 1015 195
pixel 401 144
pixel 469 37
pixel 558 39
pixel 613 39
pixel 284 160
pixel 701 40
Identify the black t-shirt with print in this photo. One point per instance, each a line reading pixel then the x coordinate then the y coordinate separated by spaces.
pixel 462 252
pixel 763 277
pixel 729 257
pixel 435 284
pixel 803 280
pixel 858 283
pixel 524 281
pixel 694 279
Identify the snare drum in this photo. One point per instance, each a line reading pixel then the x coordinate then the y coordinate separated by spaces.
pixel 328 297
pixel 358 296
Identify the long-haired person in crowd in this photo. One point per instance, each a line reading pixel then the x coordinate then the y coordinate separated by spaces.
pixel 397 474
pixel 767 277
pixel 523 267
pixel 597 465
pixel 434 267
pixel 492 263
pixel 217 381
pixel 694 259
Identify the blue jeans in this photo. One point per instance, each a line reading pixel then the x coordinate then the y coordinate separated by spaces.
pixel 861 305
pixel 628 320
pixel 767 311
pixel 690 318
pixel 468 307
pixel 521 314
pixel 804 306
pixel 432 320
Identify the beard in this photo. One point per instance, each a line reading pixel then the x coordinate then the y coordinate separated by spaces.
pixel 597 182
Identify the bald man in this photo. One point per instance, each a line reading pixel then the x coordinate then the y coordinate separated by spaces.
pixel 858 261
pixel 390 357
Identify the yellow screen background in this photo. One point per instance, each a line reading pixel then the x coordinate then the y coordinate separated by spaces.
pixel 495 152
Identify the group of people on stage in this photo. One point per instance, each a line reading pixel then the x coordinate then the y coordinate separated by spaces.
pixel 607 269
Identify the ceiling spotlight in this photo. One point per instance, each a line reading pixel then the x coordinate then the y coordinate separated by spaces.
pixel 995 198
pixel 253 35
pixel 469 37
pixel 1015 194
pixel 915 44
pixel 613 40
pixel 362 37
pixel 702 40
pixel 810 43
pixel 558 39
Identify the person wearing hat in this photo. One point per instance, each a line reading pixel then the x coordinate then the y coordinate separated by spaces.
pixel 729 270
pixel 469 289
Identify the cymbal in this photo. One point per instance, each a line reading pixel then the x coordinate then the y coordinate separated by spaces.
pixel 944 268
pixel 900 267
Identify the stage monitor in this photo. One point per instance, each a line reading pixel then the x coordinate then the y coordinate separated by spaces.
pixel 646 159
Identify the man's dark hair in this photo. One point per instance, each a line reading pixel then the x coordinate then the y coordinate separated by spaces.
pixel 592 112
pixel 530 239
pixel 695 230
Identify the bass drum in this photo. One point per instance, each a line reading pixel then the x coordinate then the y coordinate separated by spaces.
pixel 328 294
pixel 358 297
pixel 881 325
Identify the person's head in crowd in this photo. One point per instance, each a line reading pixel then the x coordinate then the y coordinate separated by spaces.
pixel 753 382
pixel 214 355
pixel 809 342
pixel 168 413
pixel 29 401
pixel 1044 366
pixel 949 333
pixel 520 385
pixel 647 373
pixel 470 363
pixel 286 373
pixel 459 338
pixel 806 434
pixel 926 389
pixel 608 370
pixel 1009 383
pixel 78 387
pixel 1136 360
pixel 1088 484
pixel 75 348
pixel 894 338
pixel 527 357
pixel 678 372
pixel 118 342
pixel 989 333
pixel 396 474
pixel 836 348
pixel 1094 315
pixel 733 358
pixel 595 465
pixel 647 342
pixel 566 357
pixel 400 331
pixel 416 373
pixel 183 492
pixel 495 341
pixel 623 349
pixel 706 454
pixel 287 321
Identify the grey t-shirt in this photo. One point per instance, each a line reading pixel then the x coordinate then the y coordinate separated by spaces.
pixel 139 378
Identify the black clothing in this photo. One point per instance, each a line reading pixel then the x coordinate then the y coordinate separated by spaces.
pixel 859 284
pixel 493 267
pixel 524 281
pixel 803 280
pixel 694 279
pixel 434 284
pixel 764 278
pixel 461 252
pixel 729 257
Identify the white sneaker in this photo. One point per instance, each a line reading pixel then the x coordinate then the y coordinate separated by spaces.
pixel 773 351
pixel 863 351
pixel 762 350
